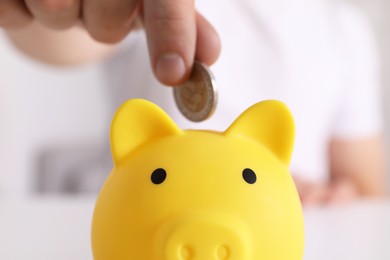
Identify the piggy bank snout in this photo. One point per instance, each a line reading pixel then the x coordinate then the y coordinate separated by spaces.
pixel 202 238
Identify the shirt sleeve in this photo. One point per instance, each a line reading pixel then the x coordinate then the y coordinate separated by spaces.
pixel 360 113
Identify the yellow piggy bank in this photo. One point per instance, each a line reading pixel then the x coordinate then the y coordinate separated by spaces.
pixel 199 195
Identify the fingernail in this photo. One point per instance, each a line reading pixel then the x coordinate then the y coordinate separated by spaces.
pixel 170 68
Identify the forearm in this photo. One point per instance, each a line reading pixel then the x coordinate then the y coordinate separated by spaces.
pixel 70 47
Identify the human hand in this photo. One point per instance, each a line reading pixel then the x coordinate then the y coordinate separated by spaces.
pixel 177 34
pixel 334 193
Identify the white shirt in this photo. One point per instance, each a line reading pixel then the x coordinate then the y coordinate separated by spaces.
pixel 317 56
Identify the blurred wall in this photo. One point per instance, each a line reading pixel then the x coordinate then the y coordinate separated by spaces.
pixel 35 127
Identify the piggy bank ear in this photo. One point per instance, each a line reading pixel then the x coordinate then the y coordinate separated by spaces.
pixel 269 123
pixel 138 121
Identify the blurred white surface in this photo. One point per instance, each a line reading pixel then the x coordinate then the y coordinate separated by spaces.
pixel 47 228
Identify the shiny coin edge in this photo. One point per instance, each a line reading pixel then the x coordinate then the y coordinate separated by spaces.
pixel 212 97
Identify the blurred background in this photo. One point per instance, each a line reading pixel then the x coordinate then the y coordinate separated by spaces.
pixel 57 158
pixel 44 151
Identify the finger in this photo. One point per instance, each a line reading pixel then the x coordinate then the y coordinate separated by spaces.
pixel 171 31
pixel 315 195
pixel 109 21
pixel 14 14
pixel 208 44
pixel 56 14
pixel 302 186
pixel 342 193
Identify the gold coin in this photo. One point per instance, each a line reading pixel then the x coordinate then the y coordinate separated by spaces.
pixel 197 97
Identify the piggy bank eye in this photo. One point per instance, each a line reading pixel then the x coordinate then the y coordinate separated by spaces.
pixel 249 176
pixel 158 176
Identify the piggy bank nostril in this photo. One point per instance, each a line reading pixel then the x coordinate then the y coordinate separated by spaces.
pixel 186 252
pixel 223 252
